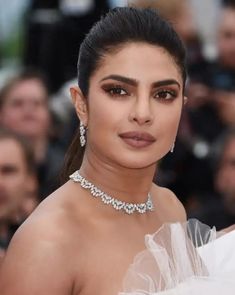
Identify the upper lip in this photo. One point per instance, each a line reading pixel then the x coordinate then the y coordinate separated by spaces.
pixel 138 136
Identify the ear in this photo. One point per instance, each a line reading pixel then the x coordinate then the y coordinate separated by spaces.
pixel 80 104
pixel 185 100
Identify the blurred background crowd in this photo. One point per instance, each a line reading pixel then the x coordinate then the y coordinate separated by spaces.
pixel 39 42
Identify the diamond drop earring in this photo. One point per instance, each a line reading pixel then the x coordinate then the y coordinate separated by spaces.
pixel 82 135
pixel 172 148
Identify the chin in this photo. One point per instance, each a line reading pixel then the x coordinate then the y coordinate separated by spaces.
pixel 136 162
pixel 139 159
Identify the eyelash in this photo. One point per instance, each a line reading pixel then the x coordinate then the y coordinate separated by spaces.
pixel 112 88
pixel 166 92
pixel 118 89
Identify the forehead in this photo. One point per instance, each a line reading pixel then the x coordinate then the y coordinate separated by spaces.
pixel 140 61
pixel 27 88
pixel 11 152
pixel 227 20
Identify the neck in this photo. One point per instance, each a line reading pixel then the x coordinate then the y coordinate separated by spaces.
pixel 125 184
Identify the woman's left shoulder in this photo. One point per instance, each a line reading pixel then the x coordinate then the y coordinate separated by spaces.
pixel 169 203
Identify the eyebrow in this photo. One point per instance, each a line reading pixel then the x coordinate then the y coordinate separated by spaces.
pixel 134 82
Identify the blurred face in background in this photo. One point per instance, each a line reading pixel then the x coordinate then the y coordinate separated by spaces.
pixel 183 22
pixel 25 109
pixel 226 38
pixel 14 177
pixel 178 12
pixel 225 101
pixel 225 180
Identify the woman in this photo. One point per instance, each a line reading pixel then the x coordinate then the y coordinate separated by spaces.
pixel 131 73
pixel 24 108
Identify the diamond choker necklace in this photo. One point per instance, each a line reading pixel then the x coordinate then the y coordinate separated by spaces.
pixel 128 208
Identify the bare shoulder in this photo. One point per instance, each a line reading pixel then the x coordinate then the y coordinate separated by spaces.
pixel 169 204
pixel 38 260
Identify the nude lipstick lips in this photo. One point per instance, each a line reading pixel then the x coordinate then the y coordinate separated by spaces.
pixel 137 139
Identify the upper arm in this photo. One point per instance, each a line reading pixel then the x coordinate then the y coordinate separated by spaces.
pixel 35 264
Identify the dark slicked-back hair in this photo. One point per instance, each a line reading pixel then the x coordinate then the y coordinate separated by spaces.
pixel 123 25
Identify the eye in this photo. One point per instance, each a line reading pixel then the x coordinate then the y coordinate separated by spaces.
pixel 17 103
pixel 115 90
pixel 165 94
pixel 9 169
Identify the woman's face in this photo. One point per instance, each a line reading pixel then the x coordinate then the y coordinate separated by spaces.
pixel 134 106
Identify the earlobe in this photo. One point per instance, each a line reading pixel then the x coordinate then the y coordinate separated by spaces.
pixel 185 100
pixel 79 103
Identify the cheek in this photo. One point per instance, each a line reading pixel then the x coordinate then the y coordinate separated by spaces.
pixel 11 115
pixel 231 174
pixel 19 186
pixel 97 122
pixel 103 115
pixel 169 119
pixel 44 117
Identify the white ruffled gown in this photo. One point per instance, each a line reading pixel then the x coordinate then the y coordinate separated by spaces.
pixel 184 259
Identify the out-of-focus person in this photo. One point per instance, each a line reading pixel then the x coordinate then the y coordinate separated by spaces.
pixel 225 104
pixel 24 108
pixel 18 184
pixel 211 88
pixel 226 35
pixel 219 210
pixel 212 74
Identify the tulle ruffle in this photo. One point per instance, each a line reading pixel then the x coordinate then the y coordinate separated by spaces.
pixel 184 258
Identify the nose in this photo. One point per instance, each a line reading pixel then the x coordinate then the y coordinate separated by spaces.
pixel 141 112
pixel 29 107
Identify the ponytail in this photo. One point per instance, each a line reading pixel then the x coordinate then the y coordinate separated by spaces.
pixel 73 158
